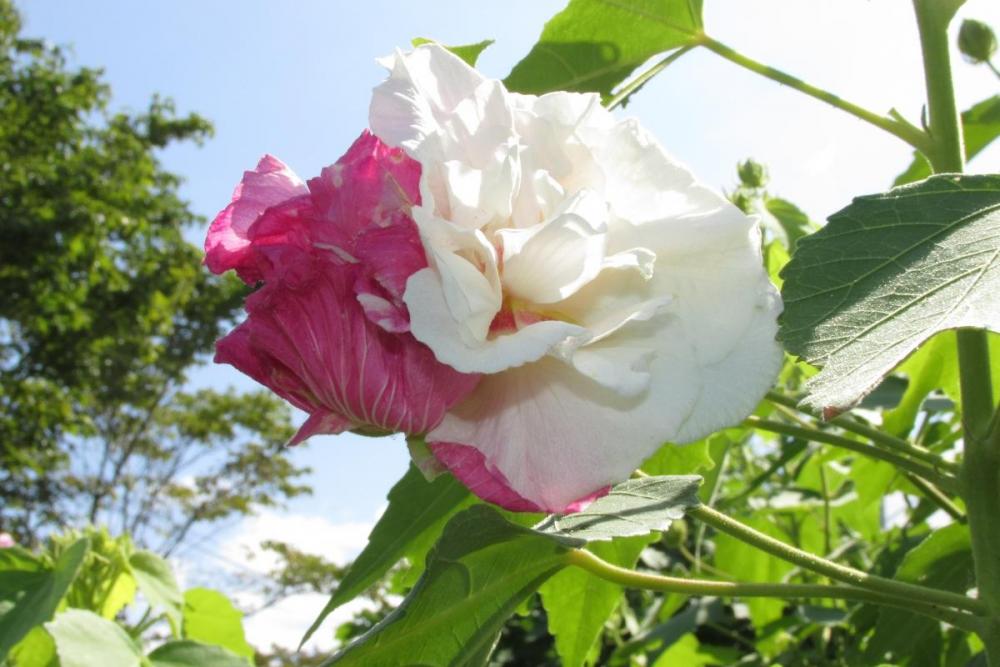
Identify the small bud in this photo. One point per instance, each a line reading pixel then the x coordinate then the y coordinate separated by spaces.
pixel 677 534
pixel 752 174
pixel 976 41
pixel 744 200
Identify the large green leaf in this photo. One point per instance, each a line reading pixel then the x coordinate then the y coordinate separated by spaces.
pixel 887 273
pixel 84 639
pixel 157 583
pixel 578 604
pixel 211 618
pixel 417 511
pixel 40 598
pixel 593 45
pixel 634 507
pixel 187 653
pixel 943 560
pixel 980 126
pixel 476 575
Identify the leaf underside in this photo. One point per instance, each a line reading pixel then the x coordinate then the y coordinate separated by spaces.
pixel 887 273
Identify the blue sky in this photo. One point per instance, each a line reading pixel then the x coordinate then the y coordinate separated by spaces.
pixel 294 79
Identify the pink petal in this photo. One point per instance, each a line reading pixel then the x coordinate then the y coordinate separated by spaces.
pixel 227 245
pixel 469 465
pixel 372 185
pixel 309 340
pixel 320 423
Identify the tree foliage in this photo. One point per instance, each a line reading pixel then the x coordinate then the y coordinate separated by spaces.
pixel 106 309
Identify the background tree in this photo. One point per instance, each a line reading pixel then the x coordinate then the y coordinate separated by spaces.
pixel 105 310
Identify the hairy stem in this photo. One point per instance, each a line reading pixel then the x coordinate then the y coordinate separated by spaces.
pixel 941 480
pixel 878 437
pixel 981 464
pixel 848 575
pixel 654 582
pixel 894 125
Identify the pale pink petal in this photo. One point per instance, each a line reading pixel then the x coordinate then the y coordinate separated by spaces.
pixel 469 466
pixel 6 541
pixel 227 245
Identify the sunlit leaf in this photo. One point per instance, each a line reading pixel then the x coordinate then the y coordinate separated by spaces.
pixel 157 583
pixel 417 511
pixel 210 617
pixel 84 639
pixel 593 45
pixel 887 273
pixel 634 507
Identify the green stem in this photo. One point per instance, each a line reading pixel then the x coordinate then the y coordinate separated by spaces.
pixel 639 81
pixel 878 437
pixel 893 125
pixel 815 435
pixel 654 582
pixel 981 464
pixel 939 498
pixel 848 575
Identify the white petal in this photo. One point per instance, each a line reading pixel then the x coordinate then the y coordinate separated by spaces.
pixel 432 324
pixel 466 263
pixel 557 435
pixel 459 126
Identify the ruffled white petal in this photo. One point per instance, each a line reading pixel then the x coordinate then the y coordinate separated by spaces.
pixel 431 323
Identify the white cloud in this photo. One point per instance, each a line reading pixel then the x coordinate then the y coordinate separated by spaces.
pixel 284 623
pixel 336 542
pixel 239 554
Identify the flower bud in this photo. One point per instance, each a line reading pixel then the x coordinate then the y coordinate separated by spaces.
pixel 752 174
pixel 976 41
pixel 677 534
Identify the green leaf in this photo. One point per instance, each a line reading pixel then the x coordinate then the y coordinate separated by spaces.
pixel 634 507
pixel 593 45
pixel 887 273
pixel 578 603
pixel 122 593
pixel 980 126
pixel 476 575
pixel 211 618
pixel 41 597
pixel 84 639
pixel 943 560
pixel 673 459
pixel 745 563
pixel 187 653
pixel 689 652
pixel 36 650
pixel 417 511
pixel 157 583
pixel 792 220
pixel 468 52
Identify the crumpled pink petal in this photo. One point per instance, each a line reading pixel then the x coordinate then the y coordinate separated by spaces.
pixel 469 466
pixel 228 244
pixel 328 330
